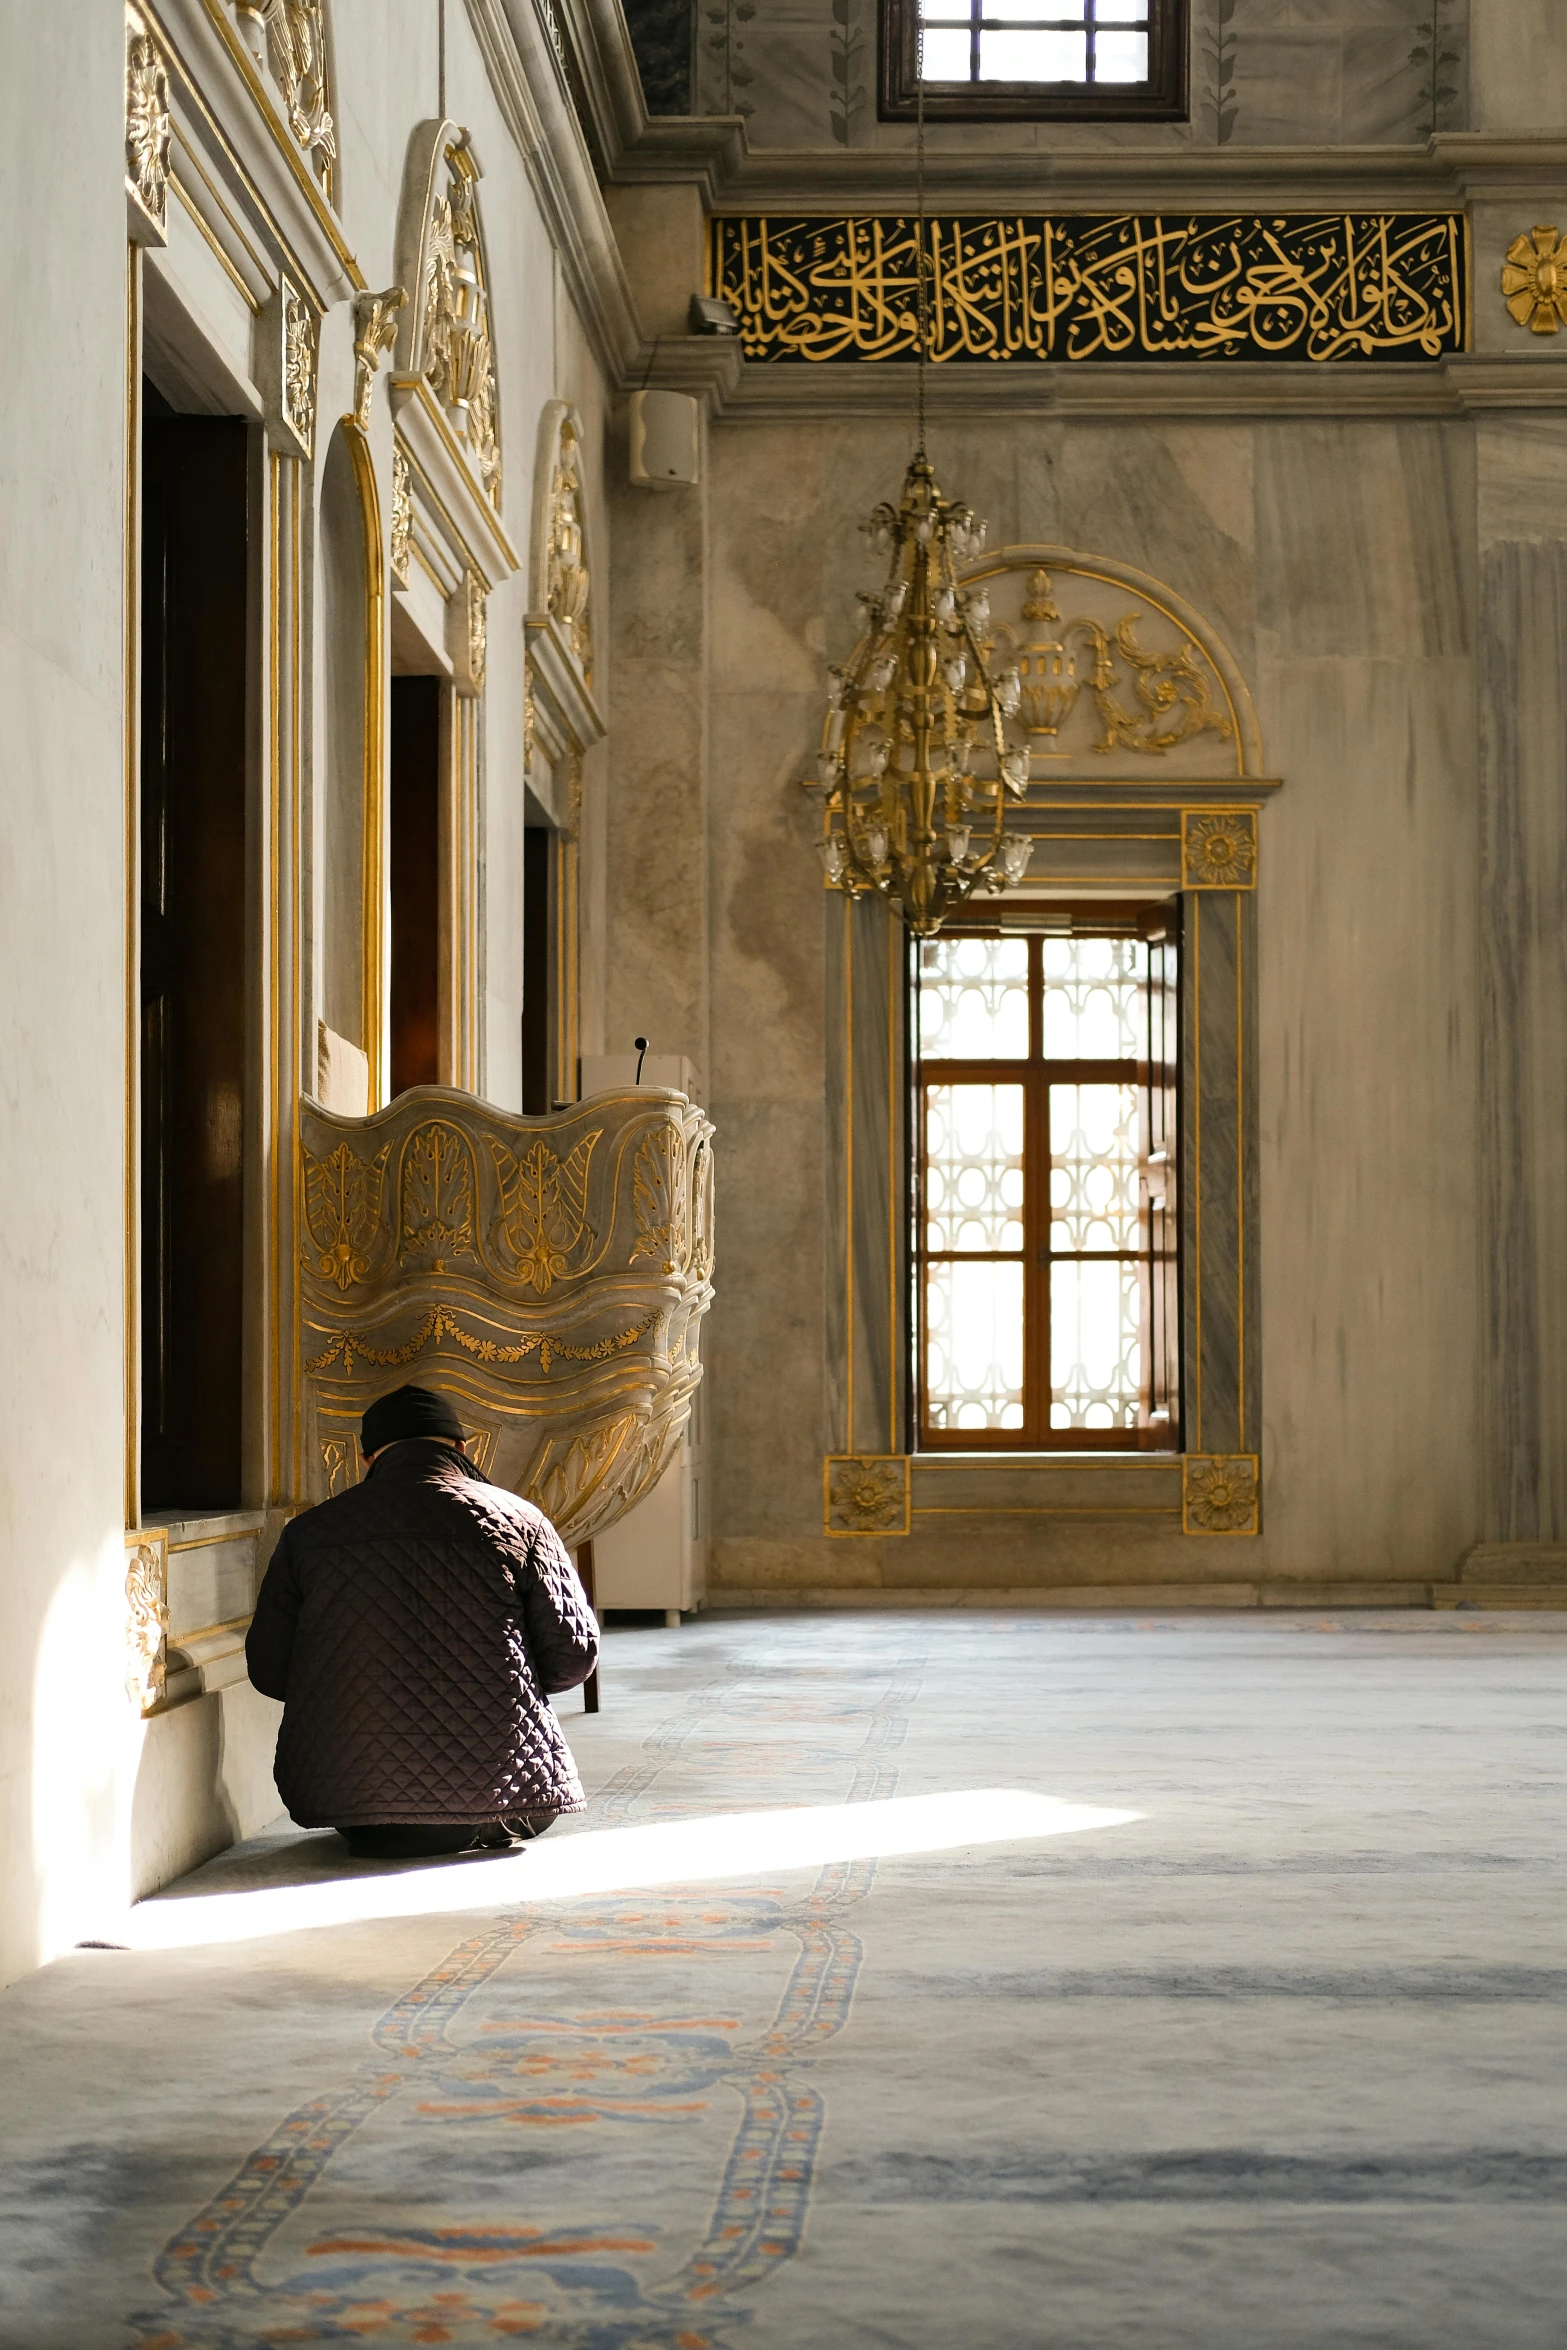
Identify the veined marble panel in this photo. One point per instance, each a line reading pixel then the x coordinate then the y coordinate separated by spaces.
pixel 1523 997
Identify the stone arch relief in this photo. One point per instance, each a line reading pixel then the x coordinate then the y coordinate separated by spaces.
pixel 563 718
pixel 444 343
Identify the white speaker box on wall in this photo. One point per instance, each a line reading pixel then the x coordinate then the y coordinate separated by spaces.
pixel 665 441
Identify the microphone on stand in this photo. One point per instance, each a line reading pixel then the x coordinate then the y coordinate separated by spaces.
pixel 641 1044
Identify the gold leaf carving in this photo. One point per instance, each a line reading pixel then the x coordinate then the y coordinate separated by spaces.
pixel 660 1200
pixel 149 128
pixel 402 516
pixel 289 37
pixel 867 1493
pixel 567 586
pixel 375 331
pixel 459 361
pixel 146 1618
pixel 435 1196
pixel 544 1209
pixel 342 1214
pixel 569 1482
pixel 1219 1493
pixel 701 1183
pixel 299 365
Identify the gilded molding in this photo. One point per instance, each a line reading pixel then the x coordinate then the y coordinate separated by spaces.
pixel 1218 848
pixel 1220 1493
pixel 146 1616
pixel 402 516
pixel 550 1274
pixel 290 41
pixel 1534 280
pixel 375 331
pixel 866 1493
pixel 149 132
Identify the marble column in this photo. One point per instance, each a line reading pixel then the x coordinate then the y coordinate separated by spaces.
pixel 1521 480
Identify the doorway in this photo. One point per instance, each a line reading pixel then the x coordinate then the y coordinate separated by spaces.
pixel 538 996
pixel 415 882
pixel 194 741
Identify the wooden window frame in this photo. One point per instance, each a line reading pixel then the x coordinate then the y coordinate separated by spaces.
pixel 1163 97
pixel 1160 1430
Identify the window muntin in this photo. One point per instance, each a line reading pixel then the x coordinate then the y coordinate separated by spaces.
pixel 974 999
pixel 1042 41
pixel 1115 60
pixel 1045 1239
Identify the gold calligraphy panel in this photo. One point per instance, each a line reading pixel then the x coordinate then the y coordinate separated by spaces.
pixel 1136 286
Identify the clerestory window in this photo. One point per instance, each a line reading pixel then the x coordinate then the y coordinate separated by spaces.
pixel 1046 1261
pixel 1104 60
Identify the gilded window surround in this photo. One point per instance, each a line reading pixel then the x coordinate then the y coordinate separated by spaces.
pixel 1136 830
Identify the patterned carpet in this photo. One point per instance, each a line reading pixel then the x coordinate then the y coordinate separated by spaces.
pixel 1264 2045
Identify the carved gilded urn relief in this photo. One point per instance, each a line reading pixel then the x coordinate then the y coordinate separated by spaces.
pixel 549 1274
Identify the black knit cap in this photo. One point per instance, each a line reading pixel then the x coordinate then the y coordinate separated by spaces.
pixel 408 1411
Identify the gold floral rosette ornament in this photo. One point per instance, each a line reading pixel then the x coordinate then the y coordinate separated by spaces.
pixel 915 769
pixel 1534 281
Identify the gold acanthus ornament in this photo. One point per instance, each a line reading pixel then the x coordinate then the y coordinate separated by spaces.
pixel 436 1192
pixel 549 1274
pixel 543 1223
pixel 568 586
pixel 375 331
pixel 149 127
pixel 459 362
pixel 288 38
pixel 1171 689
pixel 299 365
pixel 402 516
pixel 342 1214
pixel 475 613
pixel 1534 280
pixel 146 1618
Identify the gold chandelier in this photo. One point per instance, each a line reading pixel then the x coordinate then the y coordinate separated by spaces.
pixel 915 769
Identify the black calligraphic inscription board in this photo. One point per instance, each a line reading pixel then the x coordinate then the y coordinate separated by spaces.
pixel 1136 286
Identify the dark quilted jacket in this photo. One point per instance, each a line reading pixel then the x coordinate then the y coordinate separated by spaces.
pixel 412 1628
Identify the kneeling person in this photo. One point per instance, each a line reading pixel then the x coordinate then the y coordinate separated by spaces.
pixel 415 1628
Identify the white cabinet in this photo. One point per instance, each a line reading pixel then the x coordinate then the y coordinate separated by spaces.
pixel 656 1556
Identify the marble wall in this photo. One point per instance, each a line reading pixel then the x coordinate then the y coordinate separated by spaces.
pixel 67 1742
pixel 1336 558
pixel 95 1802
pixel 803 74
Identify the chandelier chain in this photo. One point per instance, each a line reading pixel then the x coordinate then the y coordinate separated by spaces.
pixel 922 262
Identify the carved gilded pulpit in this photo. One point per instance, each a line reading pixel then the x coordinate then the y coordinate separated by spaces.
pixel 549 1274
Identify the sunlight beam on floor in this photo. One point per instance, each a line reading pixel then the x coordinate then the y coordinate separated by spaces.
pixel 755 1844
